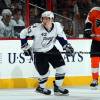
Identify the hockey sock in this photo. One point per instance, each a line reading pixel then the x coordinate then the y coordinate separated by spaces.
pixel 95 67
pixel 42 82
pixel 43 79
pixel 59 76
pixel 59 79
pixel 95 76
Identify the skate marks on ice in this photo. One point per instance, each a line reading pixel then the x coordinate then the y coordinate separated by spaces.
pixel 85 93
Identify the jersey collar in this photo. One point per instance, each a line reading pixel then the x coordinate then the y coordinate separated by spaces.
pixel 50 29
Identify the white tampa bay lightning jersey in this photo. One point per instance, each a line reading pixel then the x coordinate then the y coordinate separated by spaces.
pixel 43 40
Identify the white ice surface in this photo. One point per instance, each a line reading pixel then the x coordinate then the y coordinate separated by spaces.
pixel 76 93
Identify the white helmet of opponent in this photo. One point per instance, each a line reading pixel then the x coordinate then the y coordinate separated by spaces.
pixel 6 12
pixel 48 14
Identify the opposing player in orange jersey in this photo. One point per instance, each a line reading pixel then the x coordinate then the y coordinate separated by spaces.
pixel 92 30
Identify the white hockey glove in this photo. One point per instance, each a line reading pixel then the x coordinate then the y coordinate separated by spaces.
pixel 69 49
pixel 27 50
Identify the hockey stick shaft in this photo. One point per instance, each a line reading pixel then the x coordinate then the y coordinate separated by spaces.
pixel 81 52
pixel 53 12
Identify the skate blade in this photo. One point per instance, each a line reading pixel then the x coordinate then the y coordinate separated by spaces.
pixel 42 93
pixel 60 94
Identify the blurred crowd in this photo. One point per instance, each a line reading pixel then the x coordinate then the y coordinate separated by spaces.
pixel 11 18
pixel 71 13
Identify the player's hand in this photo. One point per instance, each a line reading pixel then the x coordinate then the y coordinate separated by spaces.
pixel 27 49
pixel 87 33
pixel 28 52
pixel 69 50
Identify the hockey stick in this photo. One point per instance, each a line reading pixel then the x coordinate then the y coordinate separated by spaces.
pixel 81 52
pixel 53 12
pixel 34 5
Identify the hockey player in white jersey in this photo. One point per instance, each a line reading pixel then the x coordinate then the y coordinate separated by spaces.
pixel 44 36
pixel 6 25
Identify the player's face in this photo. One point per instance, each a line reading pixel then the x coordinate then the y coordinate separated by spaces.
pixel 46 21
pixel 17 16
pixel 7 18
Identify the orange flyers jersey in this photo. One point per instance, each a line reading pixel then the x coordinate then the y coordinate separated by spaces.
pixel 94 19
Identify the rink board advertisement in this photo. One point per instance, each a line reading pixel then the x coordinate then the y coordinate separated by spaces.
pixel 13 64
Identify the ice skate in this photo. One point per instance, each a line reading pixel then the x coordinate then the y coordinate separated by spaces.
pixel 94 84
pixel 59 90
pixel 43 90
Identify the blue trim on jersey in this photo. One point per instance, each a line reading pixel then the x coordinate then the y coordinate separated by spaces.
pixel 62 41
pixel 23 42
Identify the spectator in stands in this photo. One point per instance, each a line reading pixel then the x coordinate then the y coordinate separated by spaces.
pixel 6 25
pixel 8 3
pixel 16 4
pixel 74 14
pixel 67 24
pixel 34 15
pixel 18 22
pixel 77 21
pixel 4 4
pixel 84 7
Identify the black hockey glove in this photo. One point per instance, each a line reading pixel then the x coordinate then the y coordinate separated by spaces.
pixel 69 50
pixel 27 49
pixel 87 33
pixel 28 52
